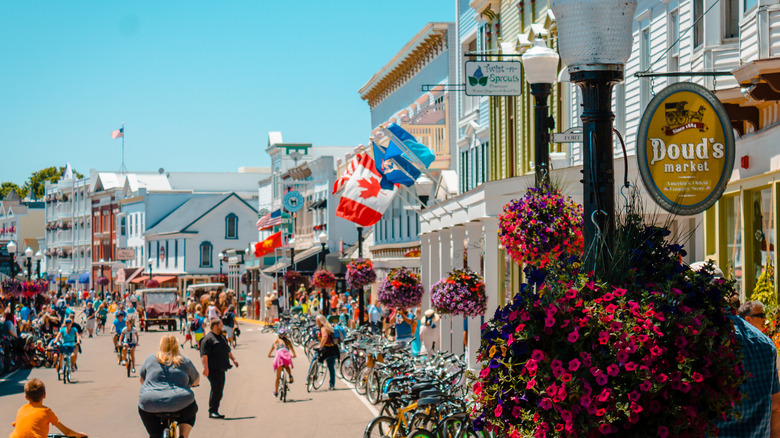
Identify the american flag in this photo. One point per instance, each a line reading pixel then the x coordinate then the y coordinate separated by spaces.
pixel 339 184
pixel 118 133
pixel 270 220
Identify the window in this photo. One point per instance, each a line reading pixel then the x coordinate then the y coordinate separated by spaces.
pixel 175 253
pixel 231 226
pixel 167 254
pixel 205 254
pixel 158 254
pixel 749 4
pixel 673 34
pixel 644 65
pixel 698 27
pixel 731 19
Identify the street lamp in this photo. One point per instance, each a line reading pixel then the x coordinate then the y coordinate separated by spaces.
pixel 11 247
pixel 59 282
pixel 220 256
pixel 149 263
pixel 291 244
pixel 594 39
pixel 323 242
pixel 423 187
pixel 29 253
pixel 541 69
pixel 38 258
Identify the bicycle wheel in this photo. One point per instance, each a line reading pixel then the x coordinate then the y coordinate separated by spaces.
pixel 312 376
pixel 66 371
pixel 391 410
pixel 459 426
pixel 347 369
pixel 420 433
pixel 283 389
pixel 361 380
pixel 374 387
pixel 320 377
pixel 382 427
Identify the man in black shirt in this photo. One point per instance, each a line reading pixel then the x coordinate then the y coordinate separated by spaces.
pixel 216 356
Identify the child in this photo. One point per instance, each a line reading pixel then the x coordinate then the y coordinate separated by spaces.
pixel 33 419
pixel 129 340
pixel 282 360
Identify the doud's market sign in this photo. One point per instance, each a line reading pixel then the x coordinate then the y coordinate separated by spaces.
pixel 493 78
pixel 685 148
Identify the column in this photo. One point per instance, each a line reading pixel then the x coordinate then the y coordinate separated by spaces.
pixel 492 279
pixel 458 236
pixel 474 246
pixel 426 256
pixel 445 257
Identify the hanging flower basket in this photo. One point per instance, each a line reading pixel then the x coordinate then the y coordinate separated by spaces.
pixel 323 279
pixel 641 351
pixel 541 226
pixel 11 288
pixel 103 281
pixel 360 273
pixel 31 289
pixel 152 284
pixel 244 278
pixel 460 293
pixel 292 277
pixel 401 289
pixel 219 278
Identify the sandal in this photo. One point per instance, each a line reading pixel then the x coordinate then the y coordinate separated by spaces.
pixel 292 379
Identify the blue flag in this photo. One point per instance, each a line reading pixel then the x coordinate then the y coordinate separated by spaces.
pixel 392 169
pixel 425 155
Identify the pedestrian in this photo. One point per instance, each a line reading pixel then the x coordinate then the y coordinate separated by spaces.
pixel 405 326
pixel 212 311
pixel 375 318
pixel 89 311
pixel 33 419
pixel 196 325
pixel 216 356
pixel 229 322
pixel 430 335
pixel 167 378
pixel 329 351
pixel 268 303
pixel 753 312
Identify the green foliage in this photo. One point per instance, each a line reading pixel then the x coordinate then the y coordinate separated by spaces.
pixel 8 186
pixel 37 182
pixel 765 287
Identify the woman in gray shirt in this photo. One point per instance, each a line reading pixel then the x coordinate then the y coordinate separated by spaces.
pixel 167 379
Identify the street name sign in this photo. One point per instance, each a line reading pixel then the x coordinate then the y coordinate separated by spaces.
pixel 571 135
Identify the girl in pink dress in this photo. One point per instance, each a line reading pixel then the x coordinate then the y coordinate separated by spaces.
pixel 282 358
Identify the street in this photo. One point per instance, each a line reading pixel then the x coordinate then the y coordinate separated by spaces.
pixel 102 401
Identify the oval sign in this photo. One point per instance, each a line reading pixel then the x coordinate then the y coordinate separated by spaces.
pixel 685 148
pixel 292 201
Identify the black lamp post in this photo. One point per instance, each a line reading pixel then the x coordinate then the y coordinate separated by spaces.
pixel 594 39
pixel 541 69
pixel 11 247
pixel 220 256
pixel 324 302
pixel 149 263
pixel 360 292
pixel 28 254
pixel 38 257
pixel 59 283
pixel 291 293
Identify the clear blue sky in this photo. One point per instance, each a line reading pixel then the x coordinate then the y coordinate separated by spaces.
pixel 198 83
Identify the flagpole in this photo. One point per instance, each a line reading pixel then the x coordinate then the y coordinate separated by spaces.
pixel 123 169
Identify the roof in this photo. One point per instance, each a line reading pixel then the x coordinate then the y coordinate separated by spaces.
pixel 153 182
pixel 179 220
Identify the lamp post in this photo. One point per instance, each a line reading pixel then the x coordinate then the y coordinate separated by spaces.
pixel 28 254
pixel 220 256
pixel 360 291
pixel 324 302
pixel 59 282
pixel 323 242
pixel 38 258
pixel 596 54
pixel 149 264
pixel 290 293
pixel 11 247
pixel 541 69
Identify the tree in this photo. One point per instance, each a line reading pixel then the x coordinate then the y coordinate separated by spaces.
pixel 37 181
pixel 8 186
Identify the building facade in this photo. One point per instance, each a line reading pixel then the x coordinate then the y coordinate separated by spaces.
pixel 68 236
pixel 23 222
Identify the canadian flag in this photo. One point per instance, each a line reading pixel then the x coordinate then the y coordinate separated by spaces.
pixel 364 201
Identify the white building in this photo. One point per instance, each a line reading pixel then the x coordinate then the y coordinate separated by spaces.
pixel 68 236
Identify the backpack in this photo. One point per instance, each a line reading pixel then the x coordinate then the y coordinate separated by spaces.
pixel 195 324
pixel 339 334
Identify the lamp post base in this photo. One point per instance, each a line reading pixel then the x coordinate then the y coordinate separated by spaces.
pixel 596 83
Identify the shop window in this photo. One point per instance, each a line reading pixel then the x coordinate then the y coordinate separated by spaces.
pixel 231 226
pixel 205 254
pixel 733 270
pixel 762 232
pixel 175 253
pixel 730 19
pixel 698 27
pixel 748 5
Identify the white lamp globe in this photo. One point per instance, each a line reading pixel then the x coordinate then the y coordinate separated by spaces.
pixel 540 63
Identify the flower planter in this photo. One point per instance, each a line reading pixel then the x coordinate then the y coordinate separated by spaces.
pixel 462 292
pixel 323 279
pixel 360 273
pixel 401 289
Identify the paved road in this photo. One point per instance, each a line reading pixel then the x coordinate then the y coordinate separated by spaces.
pixel 103 401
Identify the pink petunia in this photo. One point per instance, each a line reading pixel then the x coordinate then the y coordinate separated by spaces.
pixel 573 336
pixel 663 432
pixel 537 355
pixel 601 379
pixel 630 366
pixel 498 411
pixel 531 383
pixel 574 365
pixel 517 411
pixel 613 370
pixel 546 404
pixel 604 396
pixel 645 386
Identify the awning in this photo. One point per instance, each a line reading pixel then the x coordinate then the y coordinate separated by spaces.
pixel 322 203
pixel 140 279
pixel 164 278
pixel 302 261
pixel 84 278
pixel 126 275
pixel 73 278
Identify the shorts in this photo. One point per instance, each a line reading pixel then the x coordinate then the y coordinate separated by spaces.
pixel 228 331
pixel 198 336
pixel 67 349
pixel 129 344
pixel 102 320
pixel 91 324
pixel 155 425
pixel 283 359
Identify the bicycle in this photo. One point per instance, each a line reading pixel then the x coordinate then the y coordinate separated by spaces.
pixel 172 426
pixel 100 326
pixel 316 375
pixel 283 388
pixel 67 367
pixel 129 361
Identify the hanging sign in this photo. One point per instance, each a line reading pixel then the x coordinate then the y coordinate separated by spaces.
pixel 493 78
pixel 685 148
pixel 292 201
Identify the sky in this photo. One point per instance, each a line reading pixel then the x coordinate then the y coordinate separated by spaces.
pixel 199 84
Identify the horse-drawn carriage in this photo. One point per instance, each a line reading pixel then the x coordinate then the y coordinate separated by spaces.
pixel 677 115
pixel 161 307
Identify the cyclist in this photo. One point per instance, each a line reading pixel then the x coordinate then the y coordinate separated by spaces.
pixel 329 351
pixel 116 327
pixel 283 357
pixel 167 378
pixel 102 316
pixel 69 337
pixel 33 419
pixel 129 340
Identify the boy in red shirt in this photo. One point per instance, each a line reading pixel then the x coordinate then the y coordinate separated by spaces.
pixel 33 419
